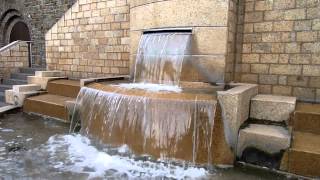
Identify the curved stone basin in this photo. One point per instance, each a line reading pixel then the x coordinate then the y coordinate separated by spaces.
pixel 185 126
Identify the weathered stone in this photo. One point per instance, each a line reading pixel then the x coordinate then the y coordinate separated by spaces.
pixel 267 138
pixel 272 107
pixel 42 81
pixel 48 73
pixel 235 104
pixel 26 88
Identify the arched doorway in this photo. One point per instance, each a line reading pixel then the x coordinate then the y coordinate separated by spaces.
pixel 19 31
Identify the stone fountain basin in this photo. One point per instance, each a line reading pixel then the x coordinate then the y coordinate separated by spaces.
pixel 220 152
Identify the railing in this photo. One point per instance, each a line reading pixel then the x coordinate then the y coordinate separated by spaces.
pixel 14 43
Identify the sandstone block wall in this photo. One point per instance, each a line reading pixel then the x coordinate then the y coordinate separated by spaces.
pixel 40 16
pixel 280 47
pixel 12 58
pixel 90 40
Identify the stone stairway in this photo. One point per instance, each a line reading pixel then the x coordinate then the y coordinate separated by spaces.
pixel 304 153
pixel 53 103
pixel 17 78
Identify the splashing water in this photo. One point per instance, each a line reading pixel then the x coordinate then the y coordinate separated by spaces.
pixel 160 58
pixel 83 157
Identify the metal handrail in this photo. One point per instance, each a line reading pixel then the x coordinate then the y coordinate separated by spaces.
pixel 30 59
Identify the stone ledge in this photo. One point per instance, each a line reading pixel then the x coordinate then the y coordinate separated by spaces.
pixel 272 107
pixel 235 104
pixel 48 73
pixel 42 81
pixel 267 138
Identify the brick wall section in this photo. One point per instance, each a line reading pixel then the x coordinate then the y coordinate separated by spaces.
pixel 91 40
pixel 281 47
pixel 40 15
pixel 12 57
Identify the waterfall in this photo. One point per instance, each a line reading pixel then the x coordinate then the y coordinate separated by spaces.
pixel 160 57
pixel 151 115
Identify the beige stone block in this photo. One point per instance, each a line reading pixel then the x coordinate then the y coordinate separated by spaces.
pixel 282 90
pixel 263 27
pixel 48 73
pixel 9 96
pixel 269 58
pixel 259 68
pixel 311 70
pixel 318 95
pixel 268 79
pixel 272 107
pixel 302 25
pixel 295 14
pixel 235 104
pixel 250 58
pixel 249 78
pixel 25 88
pixel 42 81
pixel 316 24
pixel 284 4
pixel 311 47
pixel 176 13
pixel 315 82
pixel 292 48
pixel 304 94
pixel 263 5
pixel 283 26
pixel 264 89
pixel 267 138
pixel 285 69
pixel 306 36
pixel 253 17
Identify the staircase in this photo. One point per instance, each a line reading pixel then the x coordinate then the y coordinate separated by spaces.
pixel 53 103
pixel 304 153
pixel 17 78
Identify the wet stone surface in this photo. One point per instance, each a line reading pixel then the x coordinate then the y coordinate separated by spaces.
pixel 35 148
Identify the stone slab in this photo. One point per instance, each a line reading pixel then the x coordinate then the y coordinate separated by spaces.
pixel 26 88
pixel 235 104
pixel 272 107
pixel 17 98
pixel 48 73
pixel 267 138
pixel 42 81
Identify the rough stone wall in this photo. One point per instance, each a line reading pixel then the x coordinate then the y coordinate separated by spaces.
pixel 281 47
pixel 91 40
pixel 12 57
pixel 40 16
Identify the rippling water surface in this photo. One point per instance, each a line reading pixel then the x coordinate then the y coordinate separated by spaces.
pixel 35 148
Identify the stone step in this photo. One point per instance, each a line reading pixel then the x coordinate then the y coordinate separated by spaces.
pixel 306 118
pixel 4 87
pixel 21 76
pixel 14 81
pixel 304 155
pixel 267 138
pixel 28 70
pixel 64 87
pixel 272 108
pixel 49 105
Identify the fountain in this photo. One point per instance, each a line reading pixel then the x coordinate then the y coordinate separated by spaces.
pixel 157 113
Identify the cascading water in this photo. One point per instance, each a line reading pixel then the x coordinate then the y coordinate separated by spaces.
pixel 160 58
pixel 156 119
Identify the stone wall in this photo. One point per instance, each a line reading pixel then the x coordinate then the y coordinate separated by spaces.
pixel 281 47
pixel 12 57
pixel 40 16
pixel 91 39
pixel 212 56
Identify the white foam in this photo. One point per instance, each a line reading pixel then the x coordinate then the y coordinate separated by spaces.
pixel 83 155
pixel 150 87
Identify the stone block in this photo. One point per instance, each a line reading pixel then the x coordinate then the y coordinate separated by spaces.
pixel 42 81
pixel 176 13
pixel 267 138
pixel 9 96
pixel 272 107
pixel 235 104
pixel 48 73
pixel 26 88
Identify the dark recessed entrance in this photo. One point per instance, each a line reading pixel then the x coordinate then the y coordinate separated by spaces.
pixel 20 31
